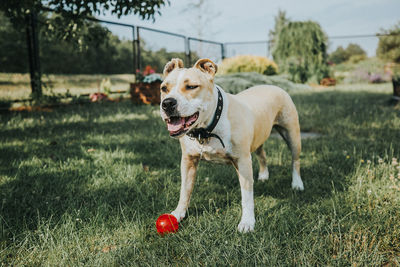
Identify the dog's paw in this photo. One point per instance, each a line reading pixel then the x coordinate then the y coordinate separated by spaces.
pixel 263 176
pixel 297 185
pixel 246 226
pixel 179 215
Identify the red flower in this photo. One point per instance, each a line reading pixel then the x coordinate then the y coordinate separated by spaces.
pixel 148 70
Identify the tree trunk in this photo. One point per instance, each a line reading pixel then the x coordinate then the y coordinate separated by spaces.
pixel 396 88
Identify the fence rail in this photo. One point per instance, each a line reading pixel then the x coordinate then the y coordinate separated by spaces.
pixel 191 48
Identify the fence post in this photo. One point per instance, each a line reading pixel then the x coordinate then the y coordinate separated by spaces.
pixel 138 59
pixel 33 54
pixel 134 50
pixel 222 51
pixel 189 56
pixel 187 52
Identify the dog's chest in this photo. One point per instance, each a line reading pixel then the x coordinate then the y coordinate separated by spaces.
pixel 210 151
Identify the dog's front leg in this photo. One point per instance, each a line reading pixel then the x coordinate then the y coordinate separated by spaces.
pixel 188 175
pixel 245 173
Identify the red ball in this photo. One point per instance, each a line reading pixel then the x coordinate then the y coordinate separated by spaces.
pixel 167 223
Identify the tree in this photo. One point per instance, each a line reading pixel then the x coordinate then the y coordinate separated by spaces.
pixel 71 13
pixel 301 51
pixel 280 21
pixel 341 55
pixel 355 50
pixel 146 9
pixel 13 51
pixel 69 21
pixel 202 16
pixel 201 21
pixel 97 52
pixel 389 45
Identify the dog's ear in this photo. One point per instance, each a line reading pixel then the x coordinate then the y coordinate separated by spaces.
pixel 173 64
pixel 206 65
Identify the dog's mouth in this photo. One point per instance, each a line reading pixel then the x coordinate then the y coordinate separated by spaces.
pixel 179 125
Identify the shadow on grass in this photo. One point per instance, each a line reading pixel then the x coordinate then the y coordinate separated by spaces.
pixel 47 169
pixel 49 164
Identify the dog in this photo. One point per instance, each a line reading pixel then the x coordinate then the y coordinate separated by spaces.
pixel 217 126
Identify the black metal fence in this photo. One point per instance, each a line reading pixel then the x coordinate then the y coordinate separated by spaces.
pixel 200 48
pixel 146 47
pixel 146 50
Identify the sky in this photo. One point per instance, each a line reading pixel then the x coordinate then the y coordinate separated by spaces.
pixel 251 20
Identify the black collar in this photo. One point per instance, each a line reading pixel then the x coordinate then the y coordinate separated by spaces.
pixel 204 133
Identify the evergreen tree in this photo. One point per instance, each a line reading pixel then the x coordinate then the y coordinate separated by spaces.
pixel 389 45
pixel 280 21
pixel 301 51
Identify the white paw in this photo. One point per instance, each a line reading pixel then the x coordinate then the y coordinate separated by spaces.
pixel 297 185
pixel 179 215
pixel 246 226
pixel 263 176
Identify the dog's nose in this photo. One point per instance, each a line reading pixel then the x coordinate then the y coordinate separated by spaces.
pixel 169 104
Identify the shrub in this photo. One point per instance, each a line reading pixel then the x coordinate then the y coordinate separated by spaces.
pixel 301 51
pixel 353 53
pixel 389 44
pixel 248 63
pixel 237 82
pixel 376 78
pixel 357 58
pixel 370 70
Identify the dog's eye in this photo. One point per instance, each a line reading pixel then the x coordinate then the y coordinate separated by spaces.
pixel 191 87
pixel 164 89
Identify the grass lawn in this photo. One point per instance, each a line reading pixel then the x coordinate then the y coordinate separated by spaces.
pixel 17 86
pixel 84 184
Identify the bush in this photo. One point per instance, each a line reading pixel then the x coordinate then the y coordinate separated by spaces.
pixel 389 44
pixel 357 58
pixel 370 70
pixel 248 63
pixel 353 53
pixel 237 82
pixel 301 51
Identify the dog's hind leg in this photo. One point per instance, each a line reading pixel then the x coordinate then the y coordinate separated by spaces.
pixel 263 173
pixel 291 135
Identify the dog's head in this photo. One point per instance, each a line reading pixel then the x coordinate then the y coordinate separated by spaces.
pixel 187 95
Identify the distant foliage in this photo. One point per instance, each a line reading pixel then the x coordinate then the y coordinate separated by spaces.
pixel 280 21
pixel 248 63
pixel 13 50
pixel 370 70
pixel 92 50
pixel 237 82
pixel 73 12
pixel 353 53
pixel 389 46
pixel 157 59
pixel 301 51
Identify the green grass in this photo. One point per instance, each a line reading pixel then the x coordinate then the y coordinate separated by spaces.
pixel 17 86
pixel 84 184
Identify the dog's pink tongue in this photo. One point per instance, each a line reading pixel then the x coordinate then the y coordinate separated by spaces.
pixel 176 124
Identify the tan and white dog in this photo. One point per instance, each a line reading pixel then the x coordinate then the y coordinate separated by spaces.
pixel 189 100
